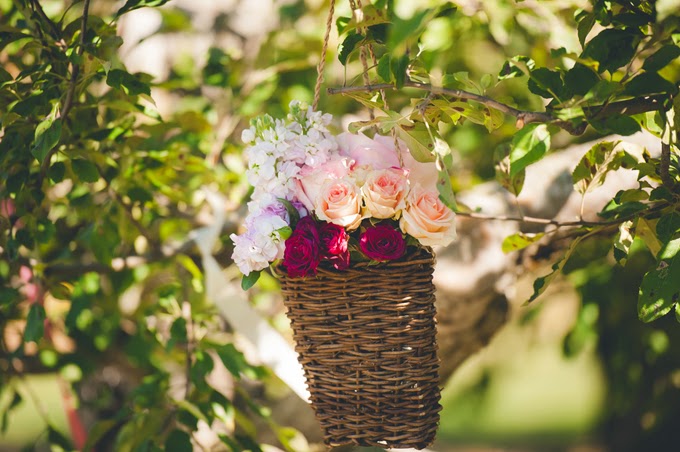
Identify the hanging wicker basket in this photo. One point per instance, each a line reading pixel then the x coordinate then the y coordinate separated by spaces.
pixel 366 338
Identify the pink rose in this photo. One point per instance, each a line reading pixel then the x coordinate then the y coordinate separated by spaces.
pixel 310 180
pixel 427 219
pixel 334 249
pixel 366 151
pixel 384 192
pixel 382 242
pixel 379 152
pixel 301 256
pixel 425 174
pixel 339 202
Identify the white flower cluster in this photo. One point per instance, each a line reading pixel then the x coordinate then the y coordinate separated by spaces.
pixel 279 148
pixel 276 152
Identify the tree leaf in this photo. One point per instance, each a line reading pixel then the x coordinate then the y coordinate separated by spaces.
pixel 418 140
pixel 617 124
pixel 364 17
pixel 398 66
pixel 595 164
pixel 384 68
pixel 513 184
pixel 612 48
pixel 584 26
pixel 131 5
pixel 542 283
pixel 236 363
pixel 645 230
pixel 667 226
pixel 579 80
pixel 520 240
pixel 623 241
pixel 661 58
pixel 660 291
pixel 528 146
pixel 47 135
pixel 248 281
pixel 35 323
pixel 178 441
pixel 126 82
pixel 516 66
pixel 347 46
pixel 546 83
pixel 444 181
pixel 85 170
pixel 648 83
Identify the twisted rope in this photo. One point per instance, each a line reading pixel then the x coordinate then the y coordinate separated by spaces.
pixel 322 63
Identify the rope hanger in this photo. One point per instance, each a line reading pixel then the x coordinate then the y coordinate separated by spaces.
pixel 362 56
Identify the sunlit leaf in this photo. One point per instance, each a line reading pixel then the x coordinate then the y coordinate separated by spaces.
pixel 623 241
pixel 520 240
pixel 660 291
pixel 528 146
pixel 47 135
pixel 418 140
pixel 645 230
pixel 591 171
pixel 513 184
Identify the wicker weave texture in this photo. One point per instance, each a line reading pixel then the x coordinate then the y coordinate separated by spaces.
pixel 366 338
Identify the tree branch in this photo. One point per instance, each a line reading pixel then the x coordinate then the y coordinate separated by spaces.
pixel 554 222
pixel 70 93
pixel 632 106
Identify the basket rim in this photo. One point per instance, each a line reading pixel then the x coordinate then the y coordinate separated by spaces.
pixel 420 255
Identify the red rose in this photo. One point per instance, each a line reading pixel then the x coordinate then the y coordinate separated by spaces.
pixel 382 242
pixel 308 227
pixel 333 239
pixel 301 256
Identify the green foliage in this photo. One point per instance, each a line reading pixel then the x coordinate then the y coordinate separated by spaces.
pixel 100 186
pixel 659 291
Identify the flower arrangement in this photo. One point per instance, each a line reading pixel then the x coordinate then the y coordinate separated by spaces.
pixel 321 199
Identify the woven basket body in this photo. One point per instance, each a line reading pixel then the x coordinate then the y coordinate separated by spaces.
pixel 366 340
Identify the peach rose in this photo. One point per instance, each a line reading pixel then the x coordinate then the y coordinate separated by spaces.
pixel 384 192
pixel 427 219
pixel 339 202
pixel 308 186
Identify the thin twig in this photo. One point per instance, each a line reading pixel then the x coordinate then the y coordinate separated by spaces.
pixel 545 221
pixel 37 7
pixel 189 346
pixel 664 166
pixel 629 107
pixel 70 93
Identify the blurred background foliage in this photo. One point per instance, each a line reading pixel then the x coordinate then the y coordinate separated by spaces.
pixel 111 128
